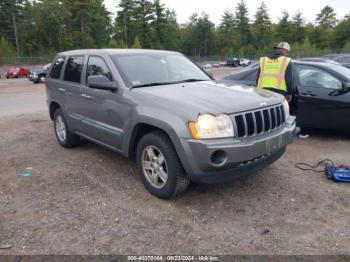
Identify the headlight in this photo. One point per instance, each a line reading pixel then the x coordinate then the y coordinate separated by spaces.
pixel 286 108
pixel 209 126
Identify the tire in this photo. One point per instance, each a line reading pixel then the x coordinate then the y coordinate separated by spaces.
pixel 64 136
pixel 176 181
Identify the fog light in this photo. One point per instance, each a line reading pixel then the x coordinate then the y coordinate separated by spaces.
pixel 218 158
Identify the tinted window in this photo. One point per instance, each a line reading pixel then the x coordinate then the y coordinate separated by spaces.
pixel 97 66
pixel 57 67
pixel 73 69
pixel 315 77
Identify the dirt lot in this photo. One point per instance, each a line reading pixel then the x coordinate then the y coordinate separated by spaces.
pixel 89 200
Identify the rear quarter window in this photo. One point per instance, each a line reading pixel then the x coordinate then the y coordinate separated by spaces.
pixel 57 67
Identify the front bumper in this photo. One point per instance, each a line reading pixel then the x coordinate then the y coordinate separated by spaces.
pixel 237 156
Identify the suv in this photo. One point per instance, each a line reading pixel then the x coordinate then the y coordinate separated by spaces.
pixel 163 110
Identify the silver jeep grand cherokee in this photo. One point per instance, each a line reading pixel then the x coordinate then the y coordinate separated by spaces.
pixel 166 112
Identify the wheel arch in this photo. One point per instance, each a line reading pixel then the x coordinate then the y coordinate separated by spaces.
pixel 53 107
pixel 142 128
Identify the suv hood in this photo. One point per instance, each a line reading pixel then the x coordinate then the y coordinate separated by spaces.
pixel 214 97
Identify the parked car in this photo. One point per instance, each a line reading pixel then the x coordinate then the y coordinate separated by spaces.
pixel 17 72
pixel 232 61
pixel 39 75
pixel 343 59
pixel 163 110
pixel 244 62
pixel 206 66
pixel 321 95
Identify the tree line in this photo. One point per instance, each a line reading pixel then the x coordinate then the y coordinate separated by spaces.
pixel 45 27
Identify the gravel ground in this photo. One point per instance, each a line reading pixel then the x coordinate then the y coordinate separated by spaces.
pixel 89 200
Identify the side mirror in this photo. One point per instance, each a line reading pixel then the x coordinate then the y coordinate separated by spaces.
pixel 346 87
pixel 101 82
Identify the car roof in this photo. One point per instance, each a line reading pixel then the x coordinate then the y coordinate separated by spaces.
pixel 116 51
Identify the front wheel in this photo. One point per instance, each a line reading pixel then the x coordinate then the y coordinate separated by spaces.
pixel 159 166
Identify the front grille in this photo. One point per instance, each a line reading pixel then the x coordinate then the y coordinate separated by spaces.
pixel 259 121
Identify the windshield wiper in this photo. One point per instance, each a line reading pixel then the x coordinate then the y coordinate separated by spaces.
pixel 154 84
pixel 191 80
pixel 169 83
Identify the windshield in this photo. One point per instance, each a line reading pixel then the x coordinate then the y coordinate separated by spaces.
pixel 156 69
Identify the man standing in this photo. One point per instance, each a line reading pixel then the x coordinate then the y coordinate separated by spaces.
pixel 275 73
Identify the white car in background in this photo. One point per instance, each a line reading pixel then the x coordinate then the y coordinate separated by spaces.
pixel 207 66
pixel 244 62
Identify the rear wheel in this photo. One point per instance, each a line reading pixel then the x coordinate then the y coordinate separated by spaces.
pixel 159 166
pixel 64 136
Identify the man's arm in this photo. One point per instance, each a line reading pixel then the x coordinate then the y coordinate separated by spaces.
pixel 257 77
pixel 289 82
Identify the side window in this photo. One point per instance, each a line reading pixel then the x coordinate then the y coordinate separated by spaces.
pixel 73 69
pixel 57 67
pixel 97 66
pixel 314 77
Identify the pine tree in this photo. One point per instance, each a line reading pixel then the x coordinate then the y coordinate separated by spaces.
pixel 341 34
pixel 159 23
pixel 326 18
pixel 144 17
pixel 125 24
pixel 242 23
pixel 227 35
pixel 262 27
pixel 284 29
pixel 298 27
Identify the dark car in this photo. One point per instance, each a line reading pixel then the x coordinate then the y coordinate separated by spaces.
pixel 17 72
pixel 39 75
pixel 343 59
pixel 321 94
pixel 232 61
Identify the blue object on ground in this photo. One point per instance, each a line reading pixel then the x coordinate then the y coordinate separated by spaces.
pixel 26 174
pixel 338 174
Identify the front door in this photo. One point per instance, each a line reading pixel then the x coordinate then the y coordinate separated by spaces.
pixel 102 109
pixel 320 102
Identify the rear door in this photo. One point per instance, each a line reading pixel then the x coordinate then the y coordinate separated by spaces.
pixel 320 102
pixel 70 90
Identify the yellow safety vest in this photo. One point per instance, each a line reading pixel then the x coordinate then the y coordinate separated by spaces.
pixel 272 73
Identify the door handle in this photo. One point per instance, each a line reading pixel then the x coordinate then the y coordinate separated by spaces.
pixel 86 96
pixel 61 89
pixel 308 93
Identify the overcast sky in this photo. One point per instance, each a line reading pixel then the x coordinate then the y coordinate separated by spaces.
pixel 215 8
